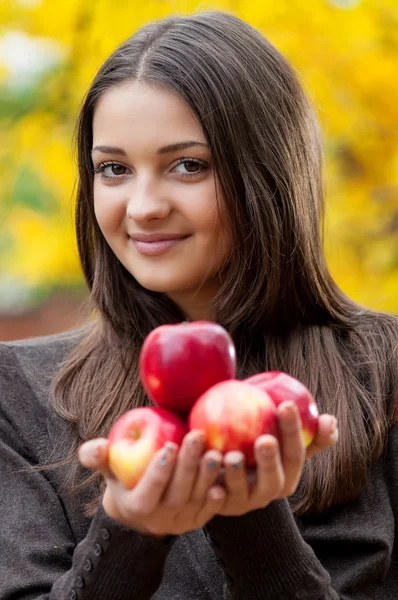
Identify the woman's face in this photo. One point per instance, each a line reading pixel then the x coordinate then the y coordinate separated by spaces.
pixel 155 191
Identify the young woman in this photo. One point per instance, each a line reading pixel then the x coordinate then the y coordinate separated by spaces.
pixel 200 197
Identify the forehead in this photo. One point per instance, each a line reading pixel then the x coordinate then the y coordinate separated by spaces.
pixel 138 112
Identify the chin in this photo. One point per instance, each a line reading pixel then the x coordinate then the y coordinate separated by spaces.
pixel 155 287
pixel 164 285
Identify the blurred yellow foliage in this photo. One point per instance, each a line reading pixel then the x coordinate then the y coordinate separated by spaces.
pixel 44 247
pixel 347 60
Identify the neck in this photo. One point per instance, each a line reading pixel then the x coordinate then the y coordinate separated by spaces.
pixel 197 305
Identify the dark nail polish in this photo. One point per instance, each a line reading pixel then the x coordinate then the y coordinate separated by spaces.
pixel 196 442
pixel 237 465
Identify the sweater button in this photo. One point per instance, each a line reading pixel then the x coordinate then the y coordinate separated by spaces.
pixel 105 534
pixel 97 550
pixel 72 595
pixel 87 566
pixel 79 582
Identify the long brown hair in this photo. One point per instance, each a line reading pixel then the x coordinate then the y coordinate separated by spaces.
pixel 277 298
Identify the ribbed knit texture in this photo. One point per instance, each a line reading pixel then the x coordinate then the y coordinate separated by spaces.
pixel 287 568
pixel 50 551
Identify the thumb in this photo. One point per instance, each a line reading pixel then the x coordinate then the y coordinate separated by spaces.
pixel 94 455
pixel 327 435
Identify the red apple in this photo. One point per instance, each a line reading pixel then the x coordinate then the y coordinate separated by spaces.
pixel 281 387
pixel 180 362
pixel 233 414
pixel 135 438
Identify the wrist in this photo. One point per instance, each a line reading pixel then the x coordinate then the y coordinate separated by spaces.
pixel 111 509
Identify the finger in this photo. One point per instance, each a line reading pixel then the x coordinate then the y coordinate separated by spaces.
pixel 326 436
pixel 213 505
pixel 270 477
pixel 235 477
pixel 209 471
pixel 251 476
pixel 292 445
pixel 150 488
pixel 94 455
pixel 186 470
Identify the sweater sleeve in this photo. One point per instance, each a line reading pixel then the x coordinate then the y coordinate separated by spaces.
pixel 39 555
pixel 264 556
pixel 344 553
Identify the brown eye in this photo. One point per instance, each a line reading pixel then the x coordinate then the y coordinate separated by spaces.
pixel 115 170
pixel 191 166
pixel 110 170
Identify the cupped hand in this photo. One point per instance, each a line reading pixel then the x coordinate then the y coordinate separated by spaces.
pixel 279 466
pixel 179 491
pixel 176 494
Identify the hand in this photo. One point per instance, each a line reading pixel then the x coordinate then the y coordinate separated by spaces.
pixel 176 494
pixel 278 469
pixel 179 494
pixel 327 435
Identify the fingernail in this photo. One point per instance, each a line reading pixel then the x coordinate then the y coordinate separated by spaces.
pixel 267 450
pixel 333 425
pixel 196 442
pixel 211 465
pixel 169 449
pixel 168 452
pixel 289 410
pixel 335 435
pixel 237 464
pixel 97 454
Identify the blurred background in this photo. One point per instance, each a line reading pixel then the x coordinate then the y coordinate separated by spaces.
pixel 346 55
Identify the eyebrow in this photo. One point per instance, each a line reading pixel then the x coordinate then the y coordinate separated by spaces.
pixel 163 150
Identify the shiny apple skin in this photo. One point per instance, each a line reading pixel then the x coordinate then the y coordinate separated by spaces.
pixel 282 387
pixel 181 361
pixel 135 438
pixel 232 416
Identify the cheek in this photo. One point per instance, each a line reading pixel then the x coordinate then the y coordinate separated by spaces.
pixel 215 241
pixel 109 214
pixel 209 215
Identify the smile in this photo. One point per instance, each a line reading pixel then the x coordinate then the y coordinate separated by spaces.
pixel 153 248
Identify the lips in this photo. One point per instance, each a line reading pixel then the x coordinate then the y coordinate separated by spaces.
pixel 156 237
pixel 156 243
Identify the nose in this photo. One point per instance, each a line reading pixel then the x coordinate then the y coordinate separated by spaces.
pixel 147 200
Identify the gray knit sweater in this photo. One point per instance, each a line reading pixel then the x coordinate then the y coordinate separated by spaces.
pixel 49 550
